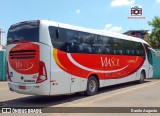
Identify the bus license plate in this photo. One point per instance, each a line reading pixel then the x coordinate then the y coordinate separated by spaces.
pixel 22 87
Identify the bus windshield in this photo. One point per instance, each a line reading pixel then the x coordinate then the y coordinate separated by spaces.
pixel 23 32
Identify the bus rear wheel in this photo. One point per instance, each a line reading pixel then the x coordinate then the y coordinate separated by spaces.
pixel 142 77
pixel 92 86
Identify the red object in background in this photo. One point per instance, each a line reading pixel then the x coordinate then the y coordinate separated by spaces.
pixel 136 34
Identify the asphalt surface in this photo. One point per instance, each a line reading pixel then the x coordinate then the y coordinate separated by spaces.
pixel 123 95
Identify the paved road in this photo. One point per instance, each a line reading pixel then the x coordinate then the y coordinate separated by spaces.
pixel 123 95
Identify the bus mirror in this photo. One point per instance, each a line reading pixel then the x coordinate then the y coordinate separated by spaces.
pixel 57 33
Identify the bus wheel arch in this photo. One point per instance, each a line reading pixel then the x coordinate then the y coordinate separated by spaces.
pixel 92 85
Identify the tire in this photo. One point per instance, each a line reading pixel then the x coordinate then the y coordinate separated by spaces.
pixel 92 86
pixel 142 77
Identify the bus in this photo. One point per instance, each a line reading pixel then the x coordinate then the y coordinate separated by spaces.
pixel 51 58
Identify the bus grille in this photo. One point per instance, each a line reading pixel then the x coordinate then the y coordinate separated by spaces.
pixel 22 54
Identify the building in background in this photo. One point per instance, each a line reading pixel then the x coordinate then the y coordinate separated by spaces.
pixel 0 36
pixel 2 47
pixel 143 34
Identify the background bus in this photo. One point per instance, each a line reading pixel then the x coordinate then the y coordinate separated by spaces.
pixel 50 58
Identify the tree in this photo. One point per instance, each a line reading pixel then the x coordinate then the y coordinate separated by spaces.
pixel 154 37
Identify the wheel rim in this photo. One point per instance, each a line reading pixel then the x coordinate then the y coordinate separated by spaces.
pixel 92 85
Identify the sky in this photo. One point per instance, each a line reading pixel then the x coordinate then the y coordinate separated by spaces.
pixel 111 15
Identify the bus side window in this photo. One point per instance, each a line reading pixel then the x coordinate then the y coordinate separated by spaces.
pixel 137 52
pixel 127 52
pixel 141 50
pixel 52 32
pixel 72 41
pixel 60 42
pixel 118 46
pixel 121 52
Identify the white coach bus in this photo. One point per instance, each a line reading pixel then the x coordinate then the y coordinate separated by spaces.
pixel 50 58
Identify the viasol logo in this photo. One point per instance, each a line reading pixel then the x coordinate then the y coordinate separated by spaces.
pixel 23 65
pixel 136 12
pixel 112 62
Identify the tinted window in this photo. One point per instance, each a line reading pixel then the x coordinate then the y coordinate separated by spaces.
pixel 81 42
pixel 139 50
pixel 129 47
pixel 27 31
pixel 133 48
pixel 84 41
pixel 118 45
pixel 58 38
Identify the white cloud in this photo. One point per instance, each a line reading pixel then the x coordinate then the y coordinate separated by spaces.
pixel 115 29
pixel 109 27
pixel 115 3
pixel 158 1
pixel 78 11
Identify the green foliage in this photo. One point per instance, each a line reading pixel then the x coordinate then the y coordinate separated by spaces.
pixel 154 37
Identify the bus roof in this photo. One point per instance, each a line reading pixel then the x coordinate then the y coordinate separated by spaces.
pixel 94 31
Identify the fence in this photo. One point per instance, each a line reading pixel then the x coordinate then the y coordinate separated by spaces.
pixel 156 64
pixel 3 66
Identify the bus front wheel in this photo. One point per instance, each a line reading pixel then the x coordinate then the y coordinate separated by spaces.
pixel 92 86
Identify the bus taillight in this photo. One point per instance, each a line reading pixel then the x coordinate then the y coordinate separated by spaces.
pixel 42 73
pixel 8 76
